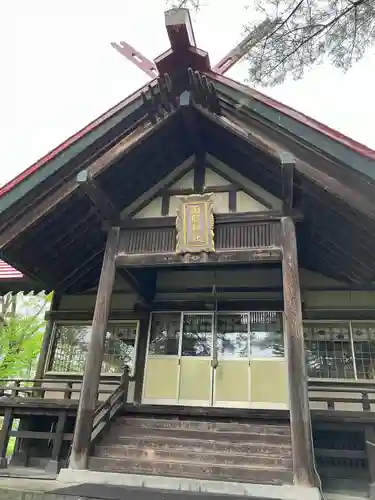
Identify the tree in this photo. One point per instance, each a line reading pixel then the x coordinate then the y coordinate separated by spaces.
pixel 22 326
pixel 304 33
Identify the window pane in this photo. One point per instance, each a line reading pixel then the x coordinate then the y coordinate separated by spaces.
pixel 71 348
pixel 119 348
pixel 266 335
pixel 328 349
pixel 197 335
pixel 232 336
pixel 364 349
pixel 72 342
pixel 165 334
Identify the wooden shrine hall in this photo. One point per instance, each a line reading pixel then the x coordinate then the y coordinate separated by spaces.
pixel 211 253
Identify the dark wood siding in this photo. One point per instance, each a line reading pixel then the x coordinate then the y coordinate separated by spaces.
pixel 228 236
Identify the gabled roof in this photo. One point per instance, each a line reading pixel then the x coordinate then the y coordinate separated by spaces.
pixel 51 232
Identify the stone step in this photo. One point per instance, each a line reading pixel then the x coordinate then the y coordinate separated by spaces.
pixel 269 475
pixel 202 456
pixel 195 445
pixel 205 426
pixel 117 433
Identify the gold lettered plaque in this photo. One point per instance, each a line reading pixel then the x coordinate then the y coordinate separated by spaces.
pixel 195 224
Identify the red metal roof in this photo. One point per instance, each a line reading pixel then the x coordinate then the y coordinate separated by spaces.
pixel 298 116
pixel 292 113
pixel 59 149
pixel 7 272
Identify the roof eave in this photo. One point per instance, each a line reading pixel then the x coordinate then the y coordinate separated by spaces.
pixel 320 137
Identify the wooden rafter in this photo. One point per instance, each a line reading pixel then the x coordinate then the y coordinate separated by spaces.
pixel 352 197
pixel 98 197
pixel 287 172
pixel 140 133
pixel 191 127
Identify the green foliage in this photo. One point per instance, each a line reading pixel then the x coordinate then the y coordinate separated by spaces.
pixel 303 33
pixel 21 333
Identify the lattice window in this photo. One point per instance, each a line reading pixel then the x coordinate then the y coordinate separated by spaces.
pixel 72 342
pixel 329 350
pixel 364 349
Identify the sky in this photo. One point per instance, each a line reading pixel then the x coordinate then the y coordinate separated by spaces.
pixel 59 71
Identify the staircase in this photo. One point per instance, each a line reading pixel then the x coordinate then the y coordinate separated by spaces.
pixel 249 452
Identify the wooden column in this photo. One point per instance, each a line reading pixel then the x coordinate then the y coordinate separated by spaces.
pixel 91 377
pixel 300 420
pixel 141 357
pixel 42 360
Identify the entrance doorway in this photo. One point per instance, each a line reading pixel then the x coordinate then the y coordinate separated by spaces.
pixel 222 359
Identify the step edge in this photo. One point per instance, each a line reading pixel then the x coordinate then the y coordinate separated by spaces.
pixel 191 441
pixel 229 455
pixel 139 461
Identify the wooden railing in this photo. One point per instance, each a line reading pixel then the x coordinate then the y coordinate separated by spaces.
pixel 109 408
pixel 36 388
pixel 346 393
pixel 17 392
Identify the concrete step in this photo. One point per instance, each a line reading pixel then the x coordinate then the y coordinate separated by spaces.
pixel 194 445
pixel 120 452
pixel 198 470
pixel 117 433
pixel 205 426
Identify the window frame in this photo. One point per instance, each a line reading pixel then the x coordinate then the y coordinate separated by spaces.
pixel 182 313
pixel 110 325
pixel 349 323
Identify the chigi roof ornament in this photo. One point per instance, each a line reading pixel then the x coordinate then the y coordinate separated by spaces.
pixel 181 36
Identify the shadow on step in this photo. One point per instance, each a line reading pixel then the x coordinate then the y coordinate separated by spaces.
pixel 108 492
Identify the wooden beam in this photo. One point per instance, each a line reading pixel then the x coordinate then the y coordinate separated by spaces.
pixel 133 283
pixel 245 217
pixel 98 197
pixel 287 172
pixel 87 315
pixel 220 257
pixel 91 377
pixel 351 194
pixel 300 421
pixel 180 29
pixel 191 126
pixel 64 191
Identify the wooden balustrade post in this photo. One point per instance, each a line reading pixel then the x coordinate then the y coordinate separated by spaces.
pixel 54 465
pixel 15 388
pixel 91 377
pixel 125 383
pixel 4 437
pixel 300 420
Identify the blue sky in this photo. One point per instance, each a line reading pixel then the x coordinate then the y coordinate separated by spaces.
pixel 61 72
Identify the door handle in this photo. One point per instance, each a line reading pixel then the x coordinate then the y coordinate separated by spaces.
pixel 214 363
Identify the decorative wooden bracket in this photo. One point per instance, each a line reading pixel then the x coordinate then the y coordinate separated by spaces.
pixel 144 297
pixel 287 165
pixel 99 198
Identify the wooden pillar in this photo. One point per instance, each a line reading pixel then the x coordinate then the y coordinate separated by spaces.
pixel 91 377
pixel 141 357
pixel 42 360
pixel 4 437
pixel 300 420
